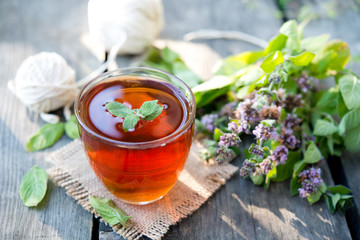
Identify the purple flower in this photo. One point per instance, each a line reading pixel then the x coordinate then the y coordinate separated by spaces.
pixel 303 83
pixel 280 155
pixel 291 121
pixel 310 181
pixel 288 139
pixel 264 132
pixel 208 120
pixel 224 154
pixel 246 112
pixel 265 166
pixel 229 140
pixel 239 127
pixel 258 151
pixel 247 168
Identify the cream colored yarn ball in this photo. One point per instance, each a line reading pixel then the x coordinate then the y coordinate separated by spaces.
pixel 44 82
pixel 140 20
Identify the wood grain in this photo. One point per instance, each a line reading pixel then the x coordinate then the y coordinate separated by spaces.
pixel 27 28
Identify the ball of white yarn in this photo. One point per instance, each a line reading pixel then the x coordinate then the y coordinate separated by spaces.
pixel 140 20
pixel 44 82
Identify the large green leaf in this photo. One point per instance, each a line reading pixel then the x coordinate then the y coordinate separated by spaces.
pixel 107 209
pixel 352 140
pixel 211 89
pixel 276 43
pixel 290 29
pixel 350 90
pixel 33 186
pixel 328 101
pixel 324 128
pixel 302 59
pixel 71 128
pixel 314 44
pixel 47 136
pixel 312 154
pixel 349 121
pixel 271 61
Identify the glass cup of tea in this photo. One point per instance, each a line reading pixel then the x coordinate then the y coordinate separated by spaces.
pixel 142 164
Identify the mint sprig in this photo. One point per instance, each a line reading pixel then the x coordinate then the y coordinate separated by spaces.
pixel 148 111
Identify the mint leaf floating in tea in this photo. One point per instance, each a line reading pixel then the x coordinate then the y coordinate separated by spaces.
pixel 71 128
pixel 148 111
pixel 47 136
pixel 109 211
pixel 33 186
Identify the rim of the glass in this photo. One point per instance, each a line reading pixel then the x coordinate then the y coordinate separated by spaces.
pixel 146 144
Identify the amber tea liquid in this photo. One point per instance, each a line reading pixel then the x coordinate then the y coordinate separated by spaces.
pixel 139 174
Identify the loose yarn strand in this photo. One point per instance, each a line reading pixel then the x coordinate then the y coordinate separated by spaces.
pixel 234 35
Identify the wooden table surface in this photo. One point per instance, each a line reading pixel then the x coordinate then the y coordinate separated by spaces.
pixel 239 210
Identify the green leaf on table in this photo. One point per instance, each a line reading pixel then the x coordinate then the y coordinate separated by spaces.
pixel 312 154
pixel 352 140
pixel 276 43
pixel 33 186
pixel 47 136
pixel 130 121
pixel 324 128
pixel 302 59
pixel 148 107
pixel 157 111
pixel 350 90
pixel 71 128
pixel 349 121
pixel 182 71
pixel 107 209
pixel 295 183
pixel 258 179
pixel 211 89
pixel 118 109
pixel 339 189
pixel 271 61
pixel 314 44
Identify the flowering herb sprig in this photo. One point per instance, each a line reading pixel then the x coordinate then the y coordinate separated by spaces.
pixel 275 97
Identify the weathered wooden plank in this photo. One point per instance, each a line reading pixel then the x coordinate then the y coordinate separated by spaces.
pixel 341 19
pixel 27 28
pixel 240 210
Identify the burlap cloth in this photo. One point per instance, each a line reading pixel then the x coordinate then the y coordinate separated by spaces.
pixel 196 184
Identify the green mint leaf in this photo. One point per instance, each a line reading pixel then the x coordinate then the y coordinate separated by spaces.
pixel 217 134
pixel 276 43
pixel 349 121
pixel 33 186
pixel 148 108
pixel 339 189
pixel 258 179
pixel 284 171
pixel 271 61
pixel 251 75
pixel 157 111
pixel 109 211
pixel 330 144
pixel 350 90
pixel 302 59
pixel 268 122
pixel 312 154
pixel 328 101
pixel 168 55
pixel 118 109
pixel 314 44
pixel 47 136
pixel 130 121
pixel 352 140
pixel 211 89
pixel 290 29
pixel 324 128
pixel 182 71
pixel 71 128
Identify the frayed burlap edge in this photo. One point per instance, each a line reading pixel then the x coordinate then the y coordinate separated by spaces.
pixel 76 190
